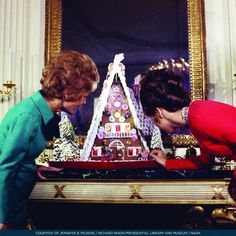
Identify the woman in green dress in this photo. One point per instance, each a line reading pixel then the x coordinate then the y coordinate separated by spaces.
pixel 66 82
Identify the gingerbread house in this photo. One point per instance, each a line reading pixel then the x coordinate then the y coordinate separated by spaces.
pixel 115 132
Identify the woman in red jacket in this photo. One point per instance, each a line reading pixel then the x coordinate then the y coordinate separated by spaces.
pixel 212 123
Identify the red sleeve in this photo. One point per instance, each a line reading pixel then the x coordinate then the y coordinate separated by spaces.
pixel 213 123
pixel 199 162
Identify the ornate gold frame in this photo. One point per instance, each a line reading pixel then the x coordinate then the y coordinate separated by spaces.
pixel 53 28
pixel 197 51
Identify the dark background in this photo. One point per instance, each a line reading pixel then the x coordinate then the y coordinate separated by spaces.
pixel 146 31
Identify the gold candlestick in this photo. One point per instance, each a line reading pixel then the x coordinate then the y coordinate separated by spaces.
pixel 10 88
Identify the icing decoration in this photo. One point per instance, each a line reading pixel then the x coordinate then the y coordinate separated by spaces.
pixel 116 89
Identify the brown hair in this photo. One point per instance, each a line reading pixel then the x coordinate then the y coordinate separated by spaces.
pixel 68 74
pixel 163 89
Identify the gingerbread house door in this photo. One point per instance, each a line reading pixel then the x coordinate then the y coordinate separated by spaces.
pixel 118 149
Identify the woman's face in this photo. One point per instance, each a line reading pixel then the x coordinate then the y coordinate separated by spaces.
pixel 71 106
pixel 167 121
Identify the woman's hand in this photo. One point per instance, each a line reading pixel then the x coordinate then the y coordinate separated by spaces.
pixel 159 156
pixel 6 226
pixel 42 169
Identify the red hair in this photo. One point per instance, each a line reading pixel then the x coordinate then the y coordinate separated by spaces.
pixel 68 74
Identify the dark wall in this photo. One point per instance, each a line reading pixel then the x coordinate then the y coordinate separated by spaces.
pixel 146 31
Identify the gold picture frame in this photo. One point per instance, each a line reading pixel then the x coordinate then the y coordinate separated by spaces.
pixel 197 52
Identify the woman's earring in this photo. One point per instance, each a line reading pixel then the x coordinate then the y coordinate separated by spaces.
pixel 66 96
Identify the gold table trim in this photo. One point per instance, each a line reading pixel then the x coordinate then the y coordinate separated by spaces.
pixel 133 191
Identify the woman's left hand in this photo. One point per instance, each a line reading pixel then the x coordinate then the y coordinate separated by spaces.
pixel 42 169
pixel 4 226
pixel 159 156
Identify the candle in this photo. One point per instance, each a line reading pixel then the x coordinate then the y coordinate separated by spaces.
pixel 9 63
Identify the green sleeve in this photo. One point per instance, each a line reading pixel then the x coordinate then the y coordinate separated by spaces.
pixel 18 134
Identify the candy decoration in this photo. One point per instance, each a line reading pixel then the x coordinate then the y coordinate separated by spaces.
pixel 112 119
pixel 107 127
pixel 130 151
pixel 101 129
pixel 100 135
pixel 117 115
pixel 94 152
pixel 145 155
pixel 133 131
pixel 117 128
pixel 127 114
pixel 124 107
pixel 127 127
pixel 117 104
pixel 122 119
pixel 108 106
pixel 134 137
